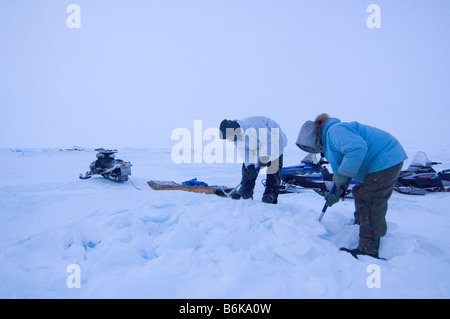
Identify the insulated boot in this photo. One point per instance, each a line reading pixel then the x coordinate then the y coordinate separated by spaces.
pixel 273 182
pixel 249 175
pixel 356 252
pixel 270 198
pixel 367 247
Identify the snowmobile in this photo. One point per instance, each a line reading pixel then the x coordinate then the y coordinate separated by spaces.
pixel 420 177
pixel 107 166
pixel 312 174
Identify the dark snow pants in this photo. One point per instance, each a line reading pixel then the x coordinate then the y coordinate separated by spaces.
pixel 371 203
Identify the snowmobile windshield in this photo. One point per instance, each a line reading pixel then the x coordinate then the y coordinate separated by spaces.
pixel 310 159
pixel 420 161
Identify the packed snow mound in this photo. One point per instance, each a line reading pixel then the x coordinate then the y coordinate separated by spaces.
pixel 130 243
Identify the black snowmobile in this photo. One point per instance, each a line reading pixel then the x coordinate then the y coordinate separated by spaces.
pixel 107 166
pixel 420 177
pixel 312 174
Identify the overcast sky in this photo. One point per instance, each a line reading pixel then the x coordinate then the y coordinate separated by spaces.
pixel 138 69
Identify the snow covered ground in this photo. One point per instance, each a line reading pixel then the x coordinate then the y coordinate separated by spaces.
pixel 131 243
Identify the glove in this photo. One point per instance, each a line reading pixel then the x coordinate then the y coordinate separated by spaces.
pixel 342 183
pixel 333 198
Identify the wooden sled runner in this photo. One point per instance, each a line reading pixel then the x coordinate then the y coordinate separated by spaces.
pixel 222 191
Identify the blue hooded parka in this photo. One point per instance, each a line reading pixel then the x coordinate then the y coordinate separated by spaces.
pixel 356 150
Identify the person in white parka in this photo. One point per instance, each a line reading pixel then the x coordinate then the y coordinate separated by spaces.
pixel 260 141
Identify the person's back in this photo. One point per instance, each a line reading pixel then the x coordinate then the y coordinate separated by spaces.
pixel 261 129
pixel 356 149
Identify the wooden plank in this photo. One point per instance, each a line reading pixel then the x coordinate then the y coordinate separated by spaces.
pixel 170 185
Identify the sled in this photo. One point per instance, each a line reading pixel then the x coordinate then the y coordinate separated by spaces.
pixel 222 191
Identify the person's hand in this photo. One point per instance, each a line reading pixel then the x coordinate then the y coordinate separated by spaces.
pixel 342 183
pixel 333 198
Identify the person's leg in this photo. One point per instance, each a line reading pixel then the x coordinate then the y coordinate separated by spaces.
pixel 371 203
pixel 249 175
pixel 273 181
pixel 358 204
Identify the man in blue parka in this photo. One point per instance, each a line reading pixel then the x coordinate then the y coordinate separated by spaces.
pixel 372 157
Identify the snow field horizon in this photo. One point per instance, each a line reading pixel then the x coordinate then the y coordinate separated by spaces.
pixel 119 242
